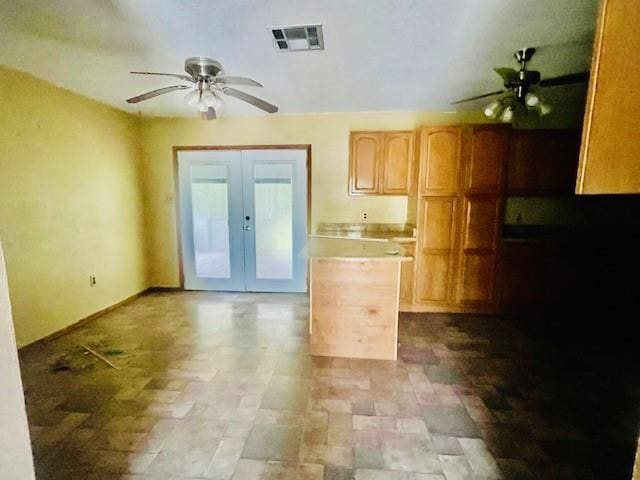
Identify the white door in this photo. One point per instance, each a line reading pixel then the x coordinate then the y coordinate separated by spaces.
pixel 243 219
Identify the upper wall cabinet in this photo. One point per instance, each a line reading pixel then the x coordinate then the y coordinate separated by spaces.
pixel 397 163
pixel 364 162
pixel 380 163
pixel 543 162
pixel 485 162
pixel 610 154
pixel 440 150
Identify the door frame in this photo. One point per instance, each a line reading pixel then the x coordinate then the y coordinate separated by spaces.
pixel 176 185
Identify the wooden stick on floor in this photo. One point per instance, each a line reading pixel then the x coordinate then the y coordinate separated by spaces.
pixel 101 357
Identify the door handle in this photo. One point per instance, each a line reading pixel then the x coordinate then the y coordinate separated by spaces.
pixel 247 228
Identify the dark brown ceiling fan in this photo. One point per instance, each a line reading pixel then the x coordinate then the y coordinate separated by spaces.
pixel 208 84
pixel 518 85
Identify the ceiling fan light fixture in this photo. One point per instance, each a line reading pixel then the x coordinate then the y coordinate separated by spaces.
pixel 507 115
pixel 493 109
pixel 210 99
pixel 193 97
pixel 544 109
pixel 531 99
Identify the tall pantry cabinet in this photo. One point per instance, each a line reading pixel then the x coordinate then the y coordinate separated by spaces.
pixel 460 177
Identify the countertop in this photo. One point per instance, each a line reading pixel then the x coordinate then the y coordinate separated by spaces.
pixel 350 248
pixel 381 232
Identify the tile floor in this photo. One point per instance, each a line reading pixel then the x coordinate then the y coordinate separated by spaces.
pixel 221 386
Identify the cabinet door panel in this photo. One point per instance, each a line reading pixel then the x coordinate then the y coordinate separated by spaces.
pixel 488 150
pixel 542 162
pixel 477 278
pixel 481 222
pixel 437 222
pixel 406 274
pixel 365 162
pixel 440 157
pixel 557 161
pixel 435 251
pixel 434 275
pixel 398 162
pixel 521 173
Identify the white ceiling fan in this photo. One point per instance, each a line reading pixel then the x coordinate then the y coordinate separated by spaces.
pixel 208 85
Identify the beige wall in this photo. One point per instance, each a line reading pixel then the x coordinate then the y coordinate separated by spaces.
pixel 328 135
pixel 70 204
pixel 15 446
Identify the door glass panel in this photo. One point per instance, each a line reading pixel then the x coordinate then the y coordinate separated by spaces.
pixel 273 220
pixel 210 205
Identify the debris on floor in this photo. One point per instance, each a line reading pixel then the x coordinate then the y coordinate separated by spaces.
pixel 114 351
pixel 80 358
pixel 100 356
pixel 61 364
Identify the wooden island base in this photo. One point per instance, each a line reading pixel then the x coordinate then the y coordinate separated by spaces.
pixel 354 307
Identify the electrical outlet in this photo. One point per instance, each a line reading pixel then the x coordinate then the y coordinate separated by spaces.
pixel 92 281
pixel 364 216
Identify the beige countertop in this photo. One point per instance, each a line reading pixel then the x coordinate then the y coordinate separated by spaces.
pixel 399 233
pixel 397 237
pixel 351 248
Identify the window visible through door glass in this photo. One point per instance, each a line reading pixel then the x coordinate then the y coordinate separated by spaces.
pixel 273 196
pixel 210 206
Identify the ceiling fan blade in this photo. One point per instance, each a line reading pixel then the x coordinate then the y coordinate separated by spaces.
pixel 508 74
pixel 582 77
pixel 477 97
pixel 209 114
pixel 233 80
pixel 155 93
pixel 255 101
pixel 175 75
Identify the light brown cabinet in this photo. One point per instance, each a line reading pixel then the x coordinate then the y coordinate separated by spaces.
pixel 543 162
pixel 458 204
pixel 610 152
pixel 406 274
pixel 439 158
pixel 482 198
pixel 381 163
pixel 364 162
pixel 436 240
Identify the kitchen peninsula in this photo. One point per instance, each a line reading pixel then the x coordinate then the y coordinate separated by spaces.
pixel 354 297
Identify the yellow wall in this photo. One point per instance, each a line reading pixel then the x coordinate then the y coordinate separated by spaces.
pixel 70 204
pixel 328 135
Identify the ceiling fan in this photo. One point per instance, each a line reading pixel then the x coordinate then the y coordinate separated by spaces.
pixel 208 83
pixel 521 99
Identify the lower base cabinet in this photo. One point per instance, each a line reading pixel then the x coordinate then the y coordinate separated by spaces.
pixel 406 275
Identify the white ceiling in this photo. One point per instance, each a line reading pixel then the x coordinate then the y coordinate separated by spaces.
pixel 379 54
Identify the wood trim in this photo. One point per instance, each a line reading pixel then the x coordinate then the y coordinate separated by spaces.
pixel 83 321
pixel 176 184
pixel 591 96
pixel 163 289
pixel 291 146
pixel 176 197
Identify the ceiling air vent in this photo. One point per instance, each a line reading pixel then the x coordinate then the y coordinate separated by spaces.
pixel 294 38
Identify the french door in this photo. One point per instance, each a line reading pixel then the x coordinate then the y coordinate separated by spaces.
pixel 243 219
